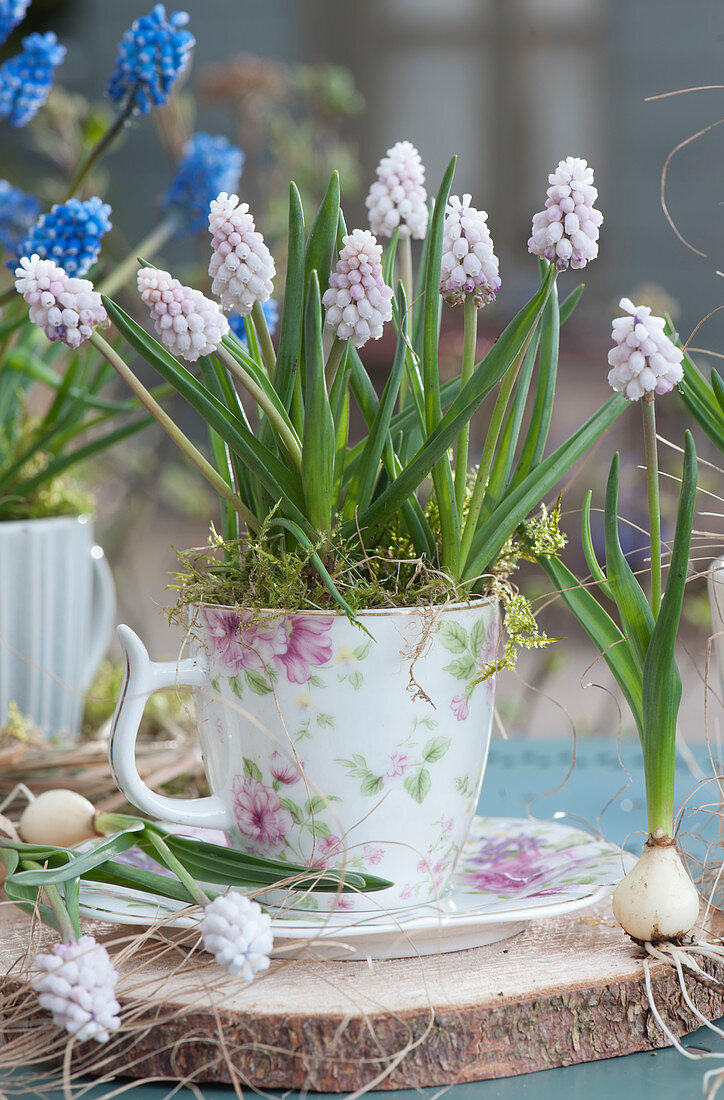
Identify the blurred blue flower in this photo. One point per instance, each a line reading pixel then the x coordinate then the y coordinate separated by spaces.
pixel 151 54
pixel 18 213
pixel 270 309
pixel 12 12
pixel 25 79
pixel 209 165
pixel 70 234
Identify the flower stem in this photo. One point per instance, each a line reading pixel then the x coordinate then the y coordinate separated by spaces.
pixel 652 485
pixel 284 430
pixel 98 150
pixel 65 925
pixel 194 456
pixel 146 248
pixel 470 341
pixel 404 256
pixel 333 360
pixel 265 341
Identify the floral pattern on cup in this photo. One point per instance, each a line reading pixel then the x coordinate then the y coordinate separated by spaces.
pixel 472 650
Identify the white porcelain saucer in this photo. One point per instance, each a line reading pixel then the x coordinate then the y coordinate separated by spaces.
pixel 511 871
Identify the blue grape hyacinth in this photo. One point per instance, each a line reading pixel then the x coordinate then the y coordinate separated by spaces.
pixel 209 165
pixel 26 78
pixel 12 12
pixel 70 234
pixel 270 309
pixel 18 214
pixel 151 55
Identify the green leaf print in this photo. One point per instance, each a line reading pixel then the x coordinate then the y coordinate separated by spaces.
pixel 320 828
pixel 356 680
pixel 462 668
pixel 453 637
pixel 251 771
pixel 216 685
pixel 371 784
pixel 477 637
pixel 418 783
pixel 316 681
pixel 435 749
pixel 356 766
pixel 326 721
pixel 361 651
pixel 296 811
pixel 257 681
pixel 236 686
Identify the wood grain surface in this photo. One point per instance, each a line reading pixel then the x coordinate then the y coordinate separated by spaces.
pixel 564 991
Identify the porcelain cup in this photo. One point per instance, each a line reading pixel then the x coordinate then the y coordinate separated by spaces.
pixel 330 745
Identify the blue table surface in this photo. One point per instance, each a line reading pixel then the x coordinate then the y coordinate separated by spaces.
pixel 606 784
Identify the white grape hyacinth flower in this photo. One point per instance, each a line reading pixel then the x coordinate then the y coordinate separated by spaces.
pixel 565 232
pixel 644 360
pixel 469 264
pixel 358 301
pixel 76 983
pixel 66 308
pixel 187 323
pixel 398 199
pixel 242 267
pixel 236 932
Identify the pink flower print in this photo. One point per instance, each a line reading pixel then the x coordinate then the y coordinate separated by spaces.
pixel 343 901
pixel 308 646
pixel 406 892
pixel 372 855
pixel 460 706
pixel 326 849
pixel 399 763
pixel 259 814
pixel 282 770
pixel 242 641
pixel 447 826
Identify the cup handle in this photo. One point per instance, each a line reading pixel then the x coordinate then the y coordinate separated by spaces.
pixel 103 614
pixel 141 678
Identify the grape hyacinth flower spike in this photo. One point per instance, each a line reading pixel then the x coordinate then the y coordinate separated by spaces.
pixel 238 934
pixel 12 12
pixel 76 982
pixel 565 232
pixel 469 264
pixel 65 308
pixel 358 302
pixel 70 234
pixel 188 324
pixel 18 213
pixel 26 78
pixel 242 267
pixel 644 360
pixel 398 199
pixel 151 55
pixel 209 164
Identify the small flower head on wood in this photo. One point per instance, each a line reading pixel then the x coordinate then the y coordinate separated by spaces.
pixel 76 982
pixel 189 324
pixel 565 232
pixel 358 302
pixel 469 264
pixel 242 267
pixel 65 308
pixel 236 932
pixel 644 359
pixel 398 199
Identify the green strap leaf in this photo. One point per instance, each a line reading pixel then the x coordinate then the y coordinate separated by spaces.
pixel 540 419
pixel 569 304
pixel 636 616
pixel 318 450
pixel 290 333
pixel 661 680
pixel 589 553
pixel 322 242
pixel 603 632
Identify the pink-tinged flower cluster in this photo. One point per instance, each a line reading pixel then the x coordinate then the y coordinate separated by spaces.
pixel 398 199
pixel 259 815
pixel 65 308
pixel 293 645
pixel 189 324
pixel 565 232
pixel 469 264
pixel 242 267
pixel 236 932
pixel 358 301
pixel 644 359
pixel 76 982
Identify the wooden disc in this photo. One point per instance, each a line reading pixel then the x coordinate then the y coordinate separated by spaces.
pixel 563 991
